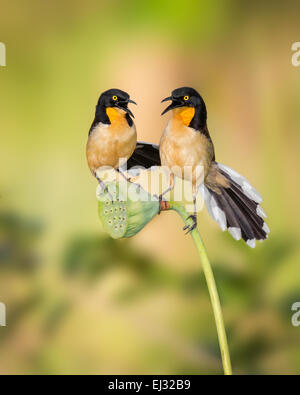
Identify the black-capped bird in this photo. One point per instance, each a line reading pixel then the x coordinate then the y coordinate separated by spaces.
pixel 112 136
pixel 187 150
pixel 113 139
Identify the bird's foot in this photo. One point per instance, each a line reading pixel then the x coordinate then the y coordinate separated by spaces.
pixel 190 228
pixel 104 190
pixel 164 205
pixel 160 199
pixel 130 180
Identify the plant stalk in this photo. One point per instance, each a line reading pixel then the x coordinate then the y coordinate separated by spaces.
pixel 212 288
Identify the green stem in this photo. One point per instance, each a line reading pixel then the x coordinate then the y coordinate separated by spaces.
pixel 212 288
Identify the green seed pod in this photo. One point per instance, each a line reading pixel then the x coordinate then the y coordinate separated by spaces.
pixel 124 209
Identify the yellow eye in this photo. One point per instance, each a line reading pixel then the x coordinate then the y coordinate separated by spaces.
pixel 186 98
pixel 115 98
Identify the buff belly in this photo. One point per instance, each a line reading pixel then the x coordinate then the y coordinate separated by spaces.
pixel 109 145
pixel 185 152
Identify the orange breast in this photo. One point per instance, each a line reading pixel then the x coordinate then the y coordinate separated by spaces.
pixel 116 116
pixel 184 114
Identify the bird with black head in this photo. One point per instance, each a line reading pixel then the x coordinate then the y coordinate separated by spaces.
pixel 112 136
pixel 187 151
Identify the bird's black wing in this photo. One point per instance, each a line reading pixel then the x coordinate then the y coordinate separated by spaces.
pixel 145 155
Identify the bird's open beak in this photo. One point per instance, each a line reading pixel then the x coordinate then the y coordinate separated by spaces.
pixel 167 99
pixel 129 112
pixel 131 101
pixel 124 106
pixel 175 104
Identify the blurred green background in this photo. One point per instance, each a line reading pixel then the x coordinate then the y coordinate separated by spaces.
pixel 79 302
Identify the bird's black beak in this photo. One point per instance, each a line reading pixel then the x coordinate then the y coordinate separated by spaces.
pixel 131 101
pixel 175 104
pixel 124 106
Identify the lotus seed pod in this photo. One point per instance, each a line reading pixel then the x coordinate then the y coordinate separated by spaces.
pixel 124 209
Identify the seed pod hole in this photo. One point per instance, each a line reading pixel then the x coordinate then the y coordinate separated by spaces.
pixel 123 216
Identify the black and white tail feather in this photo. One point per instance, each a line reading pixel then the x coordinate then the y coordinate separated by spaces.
pixel 237 207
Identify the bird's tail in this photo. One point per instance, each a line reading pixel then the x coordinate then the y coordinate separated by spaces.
pixel 234 204
pixel 145 155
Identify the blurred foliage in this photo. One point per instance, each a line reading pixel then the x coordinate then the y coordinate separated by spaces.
pixel 80 302
pixel 17 240
pixel 257 330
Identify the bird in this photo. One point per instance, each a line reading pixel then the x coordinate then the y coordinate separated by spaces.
pixel 186 144
pixel 112 140
pixel 112 137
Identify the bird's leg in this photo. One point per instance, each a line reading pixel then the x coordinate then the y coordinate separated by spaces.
pixel 193 216
pixel 124 176
pixel 170 188
pixel 103 186
pixel 127 178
